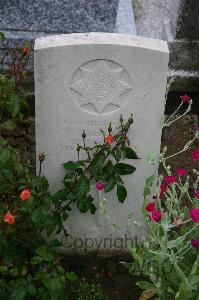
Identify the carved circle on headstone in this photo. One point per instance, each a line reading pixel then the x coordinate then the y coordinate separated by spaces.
pixel 100 86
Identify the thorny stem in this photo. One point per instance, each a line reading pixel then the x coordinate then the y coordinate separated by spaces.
pixel 104 147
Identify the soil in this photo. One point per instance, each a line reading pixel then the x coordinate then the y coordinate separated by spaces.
pixel 113 277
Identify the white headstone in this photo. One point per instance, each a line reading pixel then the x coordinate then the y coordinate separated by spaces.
pixel 84 81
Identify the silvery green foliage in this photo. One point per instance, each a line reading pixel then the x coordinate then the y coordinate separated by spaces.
pixel 166 256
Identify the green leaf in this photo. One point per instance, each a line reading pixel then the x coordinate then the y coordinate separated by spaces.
pixel 98 163
pixel 124 169
pixel 4 156
pixel 195 266
pixel 148 185
pixel 36 216
pixel 55 243
pixel 70 165
pixel 92 208
pixel 2 36
pixel 121 193
pixel 194 281
pixel 52 281
pixel 82 187
pixel 64 216
pixel 9 125
pixel 80 163
pixel 129 153
pixel 36 260
pixel 69 176
pixel 145 285
pixel 19 293
pixel 183 293
pixel 60 195
pixel 117 154
pixel 175 243
pixel 31 289
pixel 136 257
pixel 42 250
pixel 110 184
pixel 82 205
pixel 2 141
pixel 14 105
pixel 108 169
pixel 71 276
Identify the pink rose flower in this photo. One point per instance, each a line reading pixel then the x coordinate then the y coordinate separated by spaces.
pixel 185 98
pixel 156 215
pixel 195 154
pixel 196 194
pixel 9 218
pixel 169 179
pixel 181 172
pixel 100 185
pixel 25 195
pixel 194 214
pixel 150 206
pixel 195 243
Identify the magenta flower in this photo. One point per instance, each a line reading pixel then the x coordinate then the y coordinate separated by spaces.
pixel 156 215
pixel 169 179
pixel 195 154
pixel 155 197
pixel 100 185
pixel 194 214
pixel 185 98
pixel 163 188
pixel 150 206
pixel 181 172
pixel 197 128
pixel 196 194
pixel 195 243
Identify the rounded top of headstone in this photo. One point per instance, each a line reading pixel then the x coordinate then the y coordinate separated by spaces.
pixel 100 38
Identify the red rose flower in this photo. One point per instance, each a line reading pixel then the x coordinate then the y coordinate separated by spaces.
pixel 9 218
pixel 25 50
pixel 25 195
pixel 109 139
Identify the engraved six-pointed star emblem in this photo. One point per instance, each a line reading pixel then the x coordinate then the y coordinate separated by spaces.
pixel 101 86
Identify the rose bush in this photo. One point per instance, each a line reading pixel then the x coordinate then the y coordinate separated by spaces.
pixel 30 217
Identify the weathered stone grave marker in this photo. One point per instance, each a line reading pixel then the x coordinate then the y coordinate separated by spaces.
pixel 84 81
